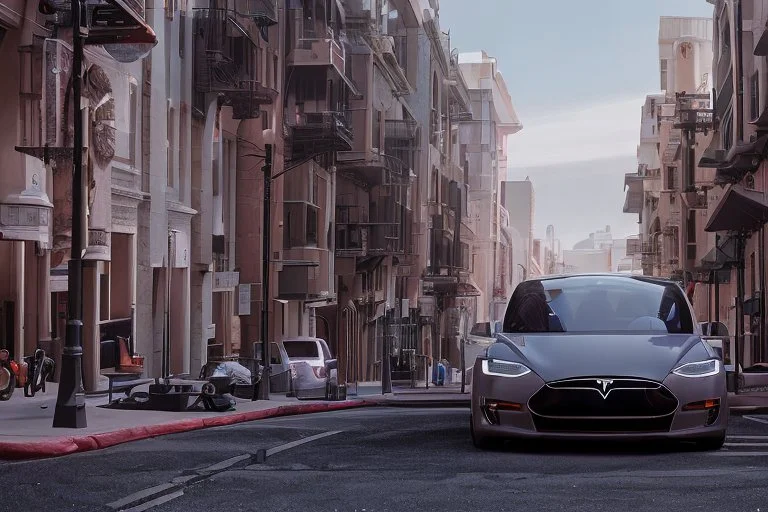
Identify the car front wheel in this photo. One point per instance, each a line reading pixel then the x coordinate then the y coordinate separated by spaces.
pixel 711 444
pixel 483 442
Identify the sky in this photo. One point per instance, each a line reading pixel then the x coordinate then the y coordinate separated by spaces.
pixel 578 73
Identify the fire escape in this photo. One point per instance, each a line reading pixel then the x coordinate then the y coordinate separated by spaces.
pixel 226 59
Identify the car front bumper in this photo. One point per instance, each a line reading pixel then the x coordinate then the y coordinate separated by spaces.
pixel 685 425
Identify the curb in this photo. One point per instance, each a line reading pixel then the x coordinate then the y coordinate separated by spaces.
pixel 67 445
pixel 434 403
pixel 747 409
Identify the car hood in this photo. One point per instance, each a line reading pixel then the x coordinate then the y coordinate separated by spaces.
pixel 562 355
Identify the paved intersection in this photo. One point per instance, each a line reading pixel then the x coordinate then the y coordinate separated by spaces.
pixel 392 459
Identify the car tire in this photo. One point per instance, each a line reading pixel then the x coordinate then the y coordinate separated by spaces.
pixel 483 442
pixel 711 443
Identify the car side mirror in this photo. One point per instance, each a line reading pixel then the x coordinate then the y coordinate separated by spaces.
pixel 332 364
pixel 555 325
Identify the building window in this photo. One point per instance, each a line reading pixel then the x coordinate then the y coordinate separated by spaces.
pixel 754 96
pixel 133 91
pixel 312 218
pixel 663 74
pixel 692 226
pixel 671 178
pixel 376 129
pixel 265 120
pixel 300 224
pixel 170 144
pixel 182 32
pixel 275 73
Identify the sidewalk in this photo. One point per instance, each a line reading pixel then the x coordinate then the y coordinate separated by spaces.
pixel 26 423
pixel 420 396
pixel 748 403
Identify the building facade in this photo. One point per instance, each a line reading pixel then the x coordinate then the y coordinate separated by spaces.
pixel 387 150
pixel 484 143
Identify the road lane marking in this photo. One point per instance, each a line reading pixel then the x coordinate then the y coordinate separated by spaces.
pixel 155 502
pixel 738 454
pixel 175 489
pixel 751 445
pixel 759 420
pixel 146 493
pixel 225 464
pixel 294 444
pixel 750 438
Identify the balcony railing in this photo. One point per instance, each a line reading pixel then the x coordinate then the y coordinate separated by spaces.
pixel 320 132
pixel 384 48
pixel 226 62
pixel 351 239
pixel 634 246
pixel 401 129
pixel 650 248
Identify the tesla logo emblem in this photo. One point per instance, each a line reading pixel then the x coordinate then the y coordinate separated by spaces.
pixel 604 383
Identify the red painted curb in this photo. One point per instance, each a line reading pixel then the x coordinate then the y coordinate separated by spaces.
pixel 67 445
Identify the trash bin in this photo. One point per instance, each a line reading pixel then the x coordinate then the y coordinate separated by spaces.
pixel 440 374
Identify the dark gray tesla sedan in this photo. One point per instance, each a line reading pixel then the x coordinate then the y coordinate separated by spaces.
pixel 611 356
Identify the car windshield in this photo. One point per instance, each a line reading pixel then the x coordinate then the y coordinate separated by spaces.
pixel 598 304
pixel 301 349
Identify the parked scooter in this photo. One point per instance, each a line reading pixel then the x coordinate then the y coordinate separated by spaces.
pixel 39 369
pixel 10 373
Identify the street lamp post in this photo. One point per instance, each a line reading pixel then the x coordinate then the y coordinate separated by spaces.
pixel 265 236
pixel 70 401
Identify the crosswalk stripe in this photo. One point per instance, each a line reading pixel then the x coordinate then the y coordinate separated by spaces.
pixel 758 420
pixel 737 454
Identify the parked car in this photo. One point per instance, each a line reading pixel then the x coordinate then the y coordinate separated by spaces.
pixel 307 364
pixel 599 356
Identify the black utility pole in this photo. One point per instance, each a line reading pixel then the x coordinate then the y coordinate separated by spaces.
pixel 265 234
pixel 739 338
pixel 70 402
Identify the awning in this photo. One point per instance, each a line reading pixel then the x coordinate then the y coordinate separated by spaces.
pixel 712 158
pixel 467 289
pixel 739 210
pixel 722 256
pixel 740 160
pixel 369 264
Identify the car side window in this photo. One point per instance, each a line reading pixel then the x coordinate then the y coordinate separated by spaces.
pixel 274 354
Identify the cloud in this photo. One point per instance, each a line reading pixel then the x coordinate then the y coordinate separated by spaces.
pixel 605 130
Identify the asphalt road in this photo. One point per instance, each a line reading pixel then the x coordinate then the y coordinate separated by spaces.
pixel 379 459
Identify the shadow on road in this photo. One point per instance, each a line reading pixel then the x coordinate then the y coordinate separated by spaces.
pixel 597 448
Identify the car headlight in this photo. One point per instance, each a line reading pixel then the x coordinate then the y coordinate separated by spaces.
pixel 500 368
pixel 698 369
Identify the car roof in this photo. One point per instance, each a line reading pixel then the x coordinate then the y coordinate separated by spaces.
pixel 617 275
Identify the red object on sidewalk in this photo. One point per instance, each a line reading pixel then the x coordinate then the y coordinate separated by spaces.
pixel 690 289
pixel 67 445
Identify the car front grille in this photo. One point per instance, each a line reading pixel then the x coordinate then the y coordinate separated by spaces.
pixel 603 405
